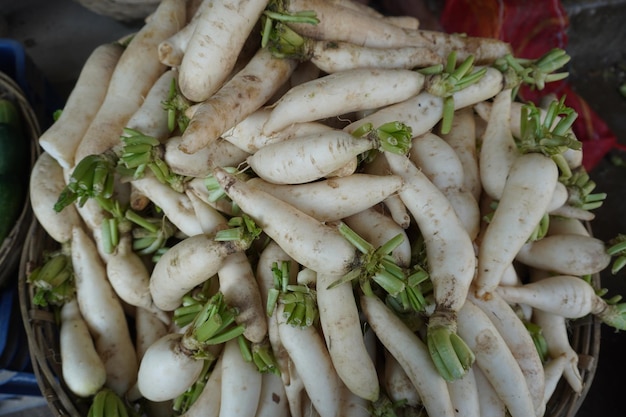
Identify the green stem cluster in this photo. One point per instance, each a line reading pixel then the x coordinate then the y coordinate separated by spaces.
pixel 53 281
pixel 299 301
pixel 580 188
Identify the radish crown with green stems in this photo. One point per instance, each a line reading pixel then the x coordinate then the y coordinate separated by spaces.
pixel 107 403
pixel 300 301
pixel 53 280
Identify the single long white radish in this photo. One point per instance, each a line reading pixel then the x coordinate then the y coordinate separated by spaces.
pixel 241 291
pixel 334 56
pixel 565 295
pixel 316 245
pixel 202 162
pixel 61 139
pixel 378 228
pixel 498 149
pixel 172 49
pixel 220 33
pixel 307 158
pixel 568 254
pixel 342 92
pixel 563 225
pixel 130 278
pixel 208 402
pixel 521 344
pixel 396 382
pixel 135 73
pixel 241 383
pixel 526 195
pixel 167 370
pixel 495 359
pixel 411 353
pixel 103 313
pixel 149 327
pixel 239 97
pixel 443 234
pixel 272 400
pixel 333 199
pixel 187 264
pixel 440 163
pixel 151 118
pixel 490 404
pixel 176 206
pixel 312 361
pixel 462 138
pixel 554 329
pixel 422 112
pixel 341 326
pixel 47 181
pixel 465 396
pixel 554 373
pixel 82 367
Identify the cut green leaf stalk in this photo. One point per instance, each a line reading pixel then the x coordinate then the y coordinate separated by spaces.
pixel 107 403
pixel 617 249
pixel 580 190
pixel 450 79
pixel 263 358
pixel 300 306
pixel 538 338
pixel 183 402
pixel 176 105
pixel 53 281
pixel 451 355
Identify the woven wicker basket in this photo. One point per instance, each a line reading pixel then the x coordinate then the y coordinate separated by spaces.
pixel 10 248
pixel 122 10
pixel 42 335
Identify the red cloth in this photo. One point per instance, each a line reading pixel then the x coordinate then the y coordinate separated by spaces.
pixel 532 28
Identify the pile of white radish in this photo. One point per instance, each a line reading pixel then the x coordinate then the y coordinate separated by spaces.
pixel 307 208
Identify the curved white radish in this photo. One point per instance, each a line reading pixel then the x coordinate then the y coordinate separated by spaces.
pixel 241 383
pixel 311 243
pixel 568 254
pixel 334 198
pixel 342 92
pixel 243 94
pixel 172 49
pixel 312 361
pixel 527 192
pixel 61 139
pixel 103 313
pixel 341 326
pixel 219 36
pixel 411 353
pixel 187 264
pixel 81 366
pixel 46 183
pixel 495 359
pixel 208 402
pixel 241 291
pixel 307 158
pixel 167 370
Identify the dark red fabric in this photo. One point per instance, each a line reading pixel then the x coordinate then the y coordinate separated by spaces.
pixel 532 28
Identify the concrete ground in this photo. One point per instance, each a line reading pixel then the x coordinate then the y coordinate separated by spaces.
pixel 61 33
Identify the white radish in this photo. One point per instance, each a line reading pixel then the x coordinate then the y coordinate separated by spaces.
pixel 440 163
pixel 333 56
pixel 241 383
pixel 462 138
pixel 149 327
pixel 241 291
pixel 342 92
pixel 61 139
pixel 172 49
pixel 495 359
pixel 211 220
pixel 334 198
pixel 411 353
pixel 307 158
pixel 520 342
pixel 397 383
pixel 220 33
pixel 135 73
pixel 187 264
pixel 82 368
pixel 273 399
pixel 490 404
pixel 46 183
pixel 563 225
pixel 443 234
pixel 241 96
pixel 202 162
pixel 341 326
pixel 167 370
pixel 527 192
pixel 311 243
pixel 465 396
pixel 176 206
pixel 566 254
pixel 208 402
pixel 312 361
pixel 103 313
